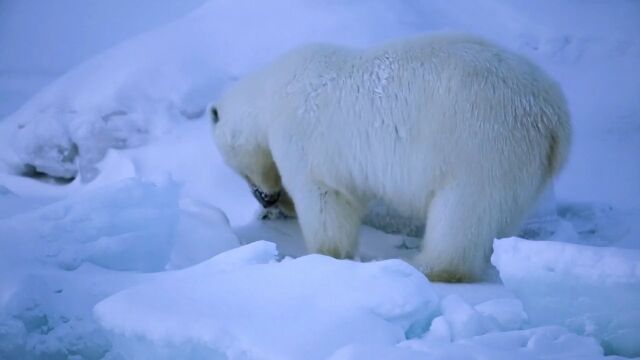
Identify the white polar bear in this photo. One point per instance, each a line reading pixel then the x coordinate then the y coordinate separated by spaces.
pixel 448 127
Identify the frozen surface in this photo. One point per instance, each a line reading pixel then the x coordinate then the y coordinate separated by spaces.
pixel 538 343
pixel 112 193
pixel 46 313
pixel 591 290
pixel 62 257
pixel 297 308
pixel 495 329
pixel 124 226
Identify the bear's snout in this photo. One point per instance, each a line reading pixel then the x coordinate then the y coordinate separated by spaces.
pixel 265 199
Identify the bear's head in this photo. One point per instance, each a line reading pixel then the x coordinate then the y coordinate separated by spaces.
pixel 242 142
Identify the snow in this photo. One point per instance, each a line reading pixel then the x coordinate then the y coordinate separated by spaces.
pixel 123 234
pixel 172 73
pixel 59 260
pixel 259 307
pixel 36 50
pixel 590 290
pixel 489 330
pixel 126 226
pixel 536 343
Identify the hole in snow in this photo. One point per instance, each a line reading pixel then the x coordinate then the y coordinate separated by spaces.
pixel 32 171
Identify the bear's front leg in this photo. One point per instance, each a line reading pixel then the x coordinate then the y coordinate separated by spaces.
pixel 329 221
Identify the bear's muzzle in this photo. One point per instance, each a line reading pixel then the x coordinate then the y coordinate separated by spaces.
pixel 265 199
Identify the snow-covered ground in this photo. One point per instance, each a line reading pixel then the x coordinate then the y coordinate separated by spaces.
pixel 124 236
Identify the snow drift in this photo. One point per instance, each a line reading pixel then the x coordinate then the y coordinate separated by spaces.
pixel 590 290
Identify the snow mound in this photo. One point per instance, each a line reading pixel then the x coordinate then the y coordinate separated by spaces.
pixel 590 290
pixel 244 304
pixel 138 89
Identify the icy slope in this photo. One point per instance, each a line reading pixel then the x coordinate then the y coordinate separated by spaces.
pixel 42 40
pixel 125 96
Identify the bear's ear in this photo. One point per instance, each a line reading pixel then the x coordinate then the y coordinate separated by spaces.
pixel 214 114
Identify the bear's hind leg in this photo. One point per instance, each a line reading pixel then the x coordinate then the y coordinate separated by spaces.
pixel 329 221
pixel 461 226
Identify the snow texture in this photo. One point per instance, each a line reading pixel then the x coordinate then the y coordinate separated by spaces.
pixel 58 261
pixel 120 226
pixel 590 290
pixel 245 304
pixel 538 343
pixel 124 226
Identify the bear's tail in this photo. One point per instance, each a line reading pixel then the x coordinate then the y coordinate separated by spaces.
pixel 558 148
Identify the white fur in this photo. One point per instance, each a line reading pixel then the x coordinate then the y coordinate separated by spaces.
pixel 448 127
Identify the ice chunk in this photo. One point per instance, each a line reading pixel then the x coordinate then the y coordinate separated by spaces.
pixel 459 320
pixel 591 290
pixel 439 332
pixel 508 314
pixel 127 225
pixel 464 321
pixel 43 320
pixel 203 232
pixel 298 308
pixel 549 342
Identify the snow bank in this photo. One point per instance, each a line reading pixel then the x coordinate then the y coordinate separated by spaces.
pixel 125 96
pixel 261 309
pixel 591 290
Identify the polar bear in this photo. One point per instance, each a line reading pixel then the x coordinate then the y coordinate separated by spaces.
pixel 447 127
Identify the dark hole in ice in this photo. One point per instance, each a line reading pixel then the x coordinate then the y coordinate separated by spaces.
pixel 32 171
